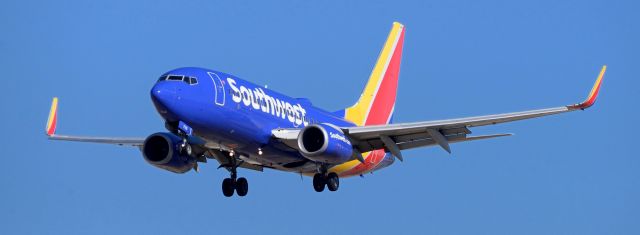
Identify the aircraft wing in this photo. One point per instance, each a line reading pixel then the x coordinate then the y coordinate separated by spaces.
pixel 53 122
pixel 136 142
pixel 396 137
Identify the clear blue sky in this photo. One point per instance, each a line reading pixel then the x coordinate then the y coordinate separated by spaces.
pixel 576 173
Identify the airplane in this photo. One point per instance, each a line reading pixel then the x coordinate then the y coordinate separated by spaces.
pixel 211 115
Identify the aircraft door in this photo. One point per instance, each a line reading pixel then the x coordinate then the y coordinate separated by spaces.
pixel 218 89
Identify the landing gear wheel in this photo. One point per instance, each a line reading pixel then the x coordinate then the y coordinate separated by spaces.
pixel 333 182
pixel 188 149
pixel 228 186
pixel 242 186
pixel 318 182
pixel 185 147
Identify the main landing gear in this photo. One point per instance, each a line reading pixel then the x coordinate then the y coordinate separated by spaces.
pixel 331 180
pixel 239 185
pixel 233 183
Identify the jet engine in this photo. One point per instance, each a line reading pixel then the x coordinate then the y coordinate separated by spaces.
pixel 324 143
pixel 163 151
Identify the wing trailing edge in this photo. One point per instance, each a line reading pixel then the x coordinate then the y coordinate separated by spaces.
pixel 400 136
pixel 52 123
pixel 440 132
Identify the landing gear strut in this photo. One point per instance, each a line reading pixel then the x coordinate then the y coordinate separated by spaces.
pixel 233 183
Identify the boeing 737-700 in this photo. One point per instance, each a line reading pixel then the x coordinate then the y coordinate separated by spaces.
pixel 211 115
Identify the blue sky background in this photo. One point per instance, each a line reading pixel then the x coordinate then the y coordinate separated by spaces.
pixel 575 173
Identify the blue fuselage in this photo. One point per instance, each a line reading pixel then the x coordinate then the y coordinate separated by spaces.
pixel 235 114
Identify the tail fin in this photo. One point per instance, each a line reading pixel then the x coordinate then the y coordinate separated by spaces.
pixel 377 101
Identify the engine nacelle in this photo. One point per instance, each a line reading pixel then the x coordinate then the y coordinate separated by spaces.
pixel 163 151
pixel 324 143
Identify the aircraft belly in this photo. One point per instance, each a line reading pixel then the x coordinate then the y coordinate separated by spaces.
pixel 374 160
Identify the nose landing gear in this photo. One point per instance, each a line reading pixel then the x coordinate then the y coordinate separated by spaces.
pixel 185 147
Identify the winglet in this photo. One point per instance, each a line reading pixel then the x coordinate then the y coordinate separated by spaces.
pixel 591 99
pixel 53 117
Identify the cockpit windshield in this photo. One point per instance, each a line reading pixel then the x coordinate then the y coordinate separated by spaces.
pixel 187 79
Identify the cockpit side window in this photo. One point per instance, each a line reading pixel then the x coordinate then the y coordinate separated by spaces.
pixel 193 80
pixel 175 77
pixel 185 79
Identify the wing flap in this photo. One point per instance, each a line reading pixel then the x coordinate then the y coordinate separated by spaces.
pixel 367 132
pixel 452 139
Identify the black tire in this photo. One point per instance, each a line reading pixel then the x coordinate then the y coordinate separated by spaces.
pixel 242 187
pixel 188 150
pixel 228 186
pixel 318 182
pixel 333 182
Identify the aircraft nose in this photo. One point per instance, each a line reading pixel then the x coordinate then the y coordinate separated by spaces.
pixel 163 95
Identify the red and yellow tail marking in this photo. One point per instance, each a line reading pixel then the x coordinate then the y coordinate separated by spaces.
pixel 591 99
pixel 53 117
pixel 377 101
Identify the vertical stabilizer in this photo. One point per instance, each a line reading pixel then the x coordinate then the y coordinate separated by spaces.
pixel 377 101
